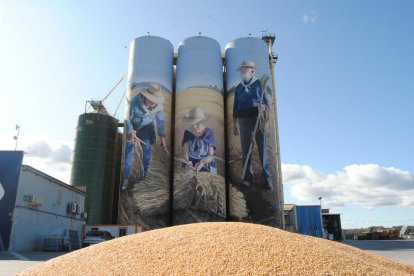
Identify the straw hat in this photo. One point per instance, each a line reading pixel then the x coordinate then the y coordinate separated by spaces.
pixel 153 93
pixel 247 64
pixel 195 116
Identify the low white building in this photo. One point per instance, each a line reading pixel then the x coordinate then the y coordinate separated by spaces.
pixel 407 232
pixel 46 210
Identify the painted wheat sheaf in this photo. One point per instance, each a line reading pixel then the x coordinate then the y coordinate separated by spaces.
pixel 200 195
pixel 220 248
pixel 209 191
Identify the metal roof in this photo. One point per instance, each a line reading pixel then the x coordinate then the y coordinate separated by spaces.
pixel 52 179
pixel 288 207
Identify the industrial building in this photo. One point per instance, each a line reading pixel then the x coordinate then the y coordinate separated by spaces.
pixel 37 211
pixel 380 233
pixel 332 225
pixel 302 219
pixel 407 232
pixel 313 221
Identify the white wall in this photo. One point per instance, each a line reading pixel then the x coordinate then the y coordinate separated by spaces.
pixel 114 229
pixel 31 226
pixel 32 223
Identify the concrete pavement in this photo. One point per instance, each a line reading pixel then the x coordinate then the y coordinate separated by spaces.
pixel 12 262
pixel 399 250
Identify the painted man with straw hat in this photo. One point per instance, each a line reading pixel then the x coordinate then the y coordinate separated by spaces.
pixel 146 110
pixel 250 101
pixel 199 142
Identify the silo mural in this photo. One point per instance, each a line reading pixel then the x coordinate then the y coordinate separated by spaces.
pixel 251 139
pixel 145 183
pixel 199 192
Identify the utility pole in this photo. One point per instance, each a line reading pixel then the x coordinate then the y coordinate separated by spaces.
pixel 16 137
pixel 270 40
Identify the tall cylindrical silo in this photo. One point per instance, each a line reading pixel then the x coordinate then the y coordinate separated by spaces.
pixel 93 166
pixel 199 191
pixel 251 137
pixel 145 183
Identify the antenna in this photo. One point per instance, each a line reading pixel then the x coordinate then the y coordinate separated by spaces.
pixel 264 32
pixel 16 137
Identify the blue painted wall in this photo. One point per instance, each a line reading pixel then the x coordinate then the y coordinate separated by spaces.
pixel 10 165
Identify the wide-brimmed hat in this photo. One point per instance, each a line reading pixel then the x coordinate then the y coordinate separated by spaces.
pixel 153 93
pixel 247 64
pixel 195 116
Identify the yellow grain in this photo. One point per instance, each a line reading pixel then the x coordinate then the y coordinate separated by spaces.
pixel 220 248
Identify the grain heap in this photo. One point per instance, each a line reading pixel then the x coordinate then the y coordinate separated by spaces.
pixel 219 248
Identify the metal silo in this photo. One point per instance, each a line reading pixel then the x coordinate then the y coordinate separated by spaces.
pixel 93 165
pixel 145 177
pixel 252 146
pixel 199 190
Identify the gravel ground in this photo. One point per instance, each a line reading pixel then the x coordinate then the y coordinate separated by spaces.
pixel 215 248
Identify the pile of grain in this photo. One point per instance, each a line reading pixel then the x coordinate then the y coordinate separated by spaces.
pixel 219 248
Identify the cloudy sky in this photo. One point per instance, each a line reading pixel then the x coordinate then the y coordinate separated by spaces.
pixel 344 85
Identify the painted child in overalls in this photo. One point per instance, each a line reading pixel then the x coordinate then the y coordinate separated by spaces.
pixel 199 142
pixel 145 111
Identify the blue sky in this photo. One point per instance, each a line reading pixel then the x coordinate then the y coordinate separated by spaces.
pixel 201 67
pixel 345 82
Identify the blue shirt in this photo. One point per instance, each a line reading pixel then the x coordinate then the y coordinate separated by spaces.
pixel 198 147
pixel 140 116
pixel 245 103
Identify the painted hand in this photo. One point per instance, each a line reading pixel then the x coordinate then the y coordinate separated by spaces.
pixel 235 130
pixel 262 107
pixel 162 142
pixel 133 138
pixel 199 166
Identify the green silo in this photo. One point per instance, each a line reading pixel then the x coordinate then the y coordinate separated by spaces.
pixel 93 165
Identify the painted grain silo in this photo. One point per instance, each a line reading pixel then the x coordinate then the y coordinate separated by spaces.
pixel 199 190
pixel 93 167
pixel 145 177
pixel 117 176
pixel 252 146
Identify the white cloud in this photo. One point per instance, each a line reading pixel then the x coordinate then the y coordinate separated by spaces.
pixel 46 154
pixel 51 150
pixel 309 17
pixel 368 185
pixel 49 156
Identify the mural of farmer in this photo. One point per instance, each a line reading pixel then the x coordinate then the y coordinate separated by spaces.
pixel 250 110
pixel 199 142
pixel 145 114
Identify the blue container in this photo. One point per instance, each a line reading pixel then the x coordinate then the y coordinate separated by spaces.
pixel 309 220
